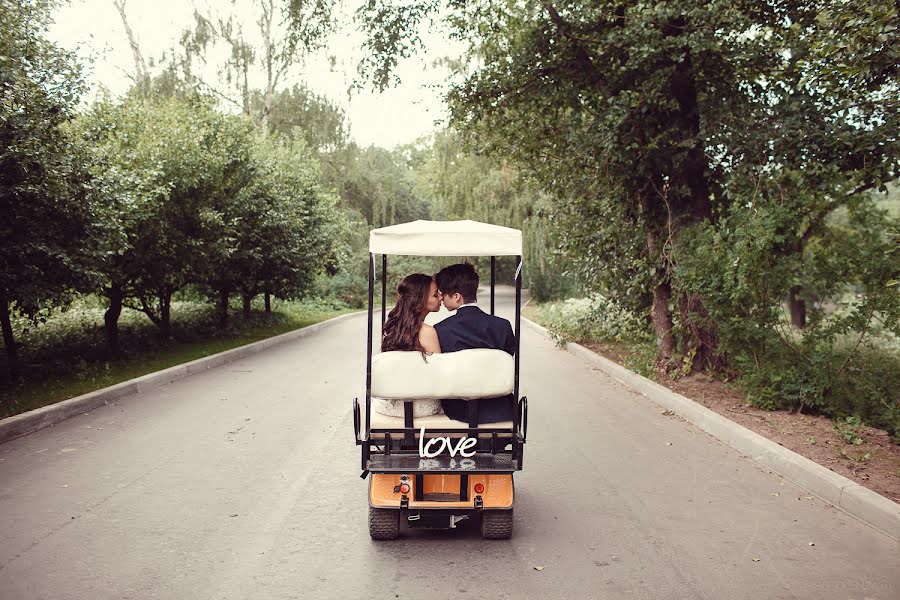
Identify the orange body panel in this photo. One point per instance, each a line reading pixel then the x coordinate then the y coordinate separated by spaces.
pixel 441 484
pixel 498 490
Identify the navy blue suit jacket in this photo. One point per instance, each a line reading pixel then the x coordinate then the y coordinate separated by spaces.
pixel 469 328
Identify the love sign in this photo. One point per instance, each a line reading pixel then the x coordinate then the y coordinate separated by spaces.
pixel 444 443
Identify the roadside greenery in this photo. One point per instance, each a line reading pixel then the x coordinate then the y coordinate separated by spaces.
pixel 64 357
pixel 595 318
pixel 44 219
pixel 710 165
pixel 139 201
pixel 849 381
pixel 715 180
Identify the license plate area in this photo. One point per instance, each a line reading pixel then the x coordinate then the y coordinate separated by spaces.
pixel 435 519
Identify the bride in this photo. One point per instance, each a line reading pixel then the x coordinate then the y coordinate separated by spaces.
pixel 405 327
pixel 405 330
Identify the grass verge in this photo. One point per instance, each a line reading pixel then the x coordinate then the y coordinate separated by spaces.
pixel 64 359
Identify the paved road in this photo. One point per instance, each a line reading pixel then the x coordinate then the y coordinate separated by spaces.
pixel 242 482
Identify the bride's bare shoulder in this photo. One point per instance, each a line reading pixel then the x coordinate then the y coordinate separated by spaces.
pixel 428 337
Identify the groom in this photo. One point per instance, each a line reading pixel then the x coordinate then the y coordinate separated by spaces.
pixel 471 327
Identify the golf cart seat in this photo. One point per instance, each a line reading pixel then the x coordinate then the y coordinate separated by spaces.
pixel 468 374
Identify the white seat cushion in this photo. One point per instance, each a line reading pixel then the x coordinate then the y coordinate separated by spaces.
pixel 475 373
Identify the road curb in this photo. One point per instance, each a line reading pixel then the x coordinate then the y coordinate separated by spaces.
pixel 857 501
pixel 33 420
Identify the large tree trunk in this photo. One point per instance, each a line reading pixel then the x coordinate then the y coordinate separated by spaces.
pixel 699 332
pixel 662 324
pixel 9 342
pixel 165 313
pixel 798 308
pixel 223 306
pixel 248 298
pixel 268 303
pixel 694 163
pixel 662 290
pixel 116 295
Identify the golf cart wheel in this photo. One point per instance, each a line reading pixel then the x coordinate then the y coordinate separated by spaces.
pixel 384 524
pixel 496 524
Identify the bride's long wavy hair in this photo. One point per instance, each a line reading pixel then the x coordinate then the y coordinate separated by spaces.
pixel 401 329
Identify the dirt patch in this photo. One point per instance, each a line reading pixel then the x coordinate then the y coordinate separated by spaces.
pixel 873 462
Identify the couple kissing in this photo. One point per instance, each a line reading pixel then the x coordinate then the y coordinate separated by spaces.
pixel 456 286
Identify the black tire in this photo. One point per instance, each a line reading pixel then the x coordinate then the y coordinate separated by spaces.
pixel 384 524
pixel 497 524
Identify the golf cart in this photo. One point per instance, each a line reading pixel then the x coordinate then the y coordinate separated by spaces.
pixel 430 470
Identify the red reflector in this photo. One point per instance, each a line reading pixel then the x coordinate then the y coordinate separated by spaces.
pixel 479 488
pixel 404 488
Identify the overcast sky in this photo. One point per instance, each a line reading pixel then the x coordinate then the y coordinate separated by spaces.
pixel 397 116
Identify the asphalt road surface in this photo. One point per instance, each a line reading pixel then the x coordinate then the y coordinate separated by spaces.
pixel 243 482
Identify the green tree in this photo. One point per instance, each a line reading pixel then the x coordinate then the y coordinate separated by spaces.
pixel 45 220
pixel 284 228
pixel 299 112
pixel 376 183
pixel 158 166
pixel 285 33
pixel 642 119
pixel 308 230
pixel 464 185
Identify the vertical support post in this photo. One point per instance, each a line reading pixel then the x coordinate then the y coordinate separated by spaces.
pixel 493 280
pixel 369 347
pixel 518 331
pixel 383 290
pixel 516 447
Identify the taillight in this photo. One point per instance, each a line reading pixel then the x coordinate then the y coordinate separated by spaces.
pixel 404 488
pixel 479 488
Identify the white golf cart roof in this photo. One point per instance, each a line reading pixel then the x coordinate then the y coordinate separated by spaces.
pixel 446 238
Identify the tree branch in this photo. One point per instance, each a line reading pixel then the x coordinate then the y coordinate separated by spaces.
pixel 581 55
pixel 866 187
pixel 139 64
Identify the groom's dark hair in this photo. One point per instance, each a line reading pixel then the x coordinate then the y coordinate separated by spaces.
pixel 460 278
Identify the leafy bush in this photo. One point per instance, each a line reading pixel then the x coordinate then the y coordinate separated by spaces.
pixel 598 318
pixel 835 379
pixel 70 340
pixel 754 265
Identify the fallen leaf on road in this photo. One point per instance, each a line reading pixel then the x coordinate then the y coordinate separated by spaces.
pixel 234 515
pixel 754 559
pixel 668 443
pixel 538 568
pixel 775 494
pixel 811 544
pixel 668 412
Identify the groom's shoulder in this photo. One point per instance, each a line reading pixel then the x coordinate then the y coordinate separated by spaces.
pixel 448 322
pixel 498 320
